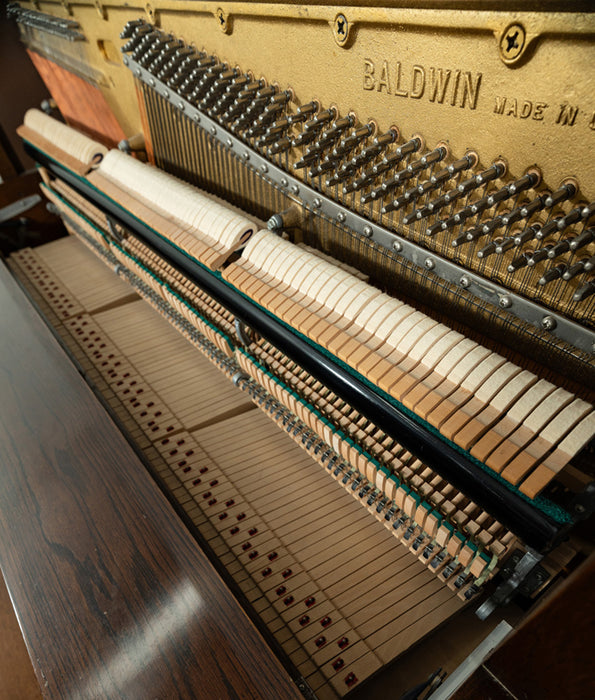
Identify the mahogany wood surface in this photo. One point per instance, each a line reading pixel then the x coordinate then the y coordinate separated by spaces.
pixel 114 597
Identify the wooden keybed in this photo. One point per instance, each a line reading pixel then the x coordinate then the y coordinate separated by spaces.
pixel 334 626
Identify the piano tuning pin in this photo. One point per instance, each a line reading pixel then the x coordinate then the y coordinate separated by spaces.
pixel 281 146
pixel 135 37
pixel 582 239
pixel 504 244
pixel 303 113
pixel 559 248
pixel 395 205
pixel 565 192
pixel 322 118
pixel 337 128
pixel 133 26
pixel 468 161
pixel 526 182
pixel 409 147
pixel 520 261
pixel 499 196
pixel 553 274
pixel 585 291
pixel 350 142
pixel 590 264
pixel 576 269
pixel 304 138
pixel 528 234
pixel 434 228
pixel 539 255
pixel 327 164
pixel 345 172
pixel 461 239
pixel 434 156
pixel 571 218
pixel 548 229
pixel 588 211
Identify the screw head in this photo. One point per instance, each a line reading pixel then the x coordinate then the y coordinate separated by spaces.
pixel 222 20
pixel 165 94
pixel 213 130
pixel 229 143
pixel 397 246
pixel 152 82
pixel 548 323
pixel 512 43
pixel 341 29
pixel 284 182
pixel 138 72
pixel 367 231
pixel 505 302
pixel 317 202
pixel 429 264
pixel 295 189
pixel 246 155
pixel 464 281
pixel 181 106
pixel 264 168
pixel 197 118
pixel 341 217
pixel 125 61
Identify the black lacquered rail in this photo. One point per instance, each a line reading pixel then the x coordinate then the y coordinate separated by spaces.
pixel 535 528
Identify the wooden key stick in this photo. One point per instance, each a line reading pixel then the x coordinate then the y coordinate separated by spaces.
pixel 515 415
pixel 550 435
pixel 553 464
pixel 480 399
pixel 491 413
pixel 540 415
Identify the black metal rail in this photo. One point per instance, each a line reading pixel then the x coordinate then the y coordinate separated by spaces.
pixel 533 526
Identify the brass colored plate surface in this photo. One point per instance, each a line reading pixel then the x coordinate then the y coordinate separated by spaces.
pixel 439 73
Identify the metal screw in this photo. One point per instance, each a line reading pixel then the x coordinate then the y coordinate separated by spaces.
pixel 165 94
pixel 317 202
pixel 341 29
pixel 197 118
pixel 284 182
pixel 229 143
pixel 213 130
pixel 397 246
pixel 548 323
pixel 181 106
pixel 295 189
pixel 246 155
pixel 429 263
pixel 264 168
pixel 151 82
pixel 125 61
pixel 464 282
pixel 138 71
pixel 505 302
pixel 341 217
pixel 367 231
pixel 512 42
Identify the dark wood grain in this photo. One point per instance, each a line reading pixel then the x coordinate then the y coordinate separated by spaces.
pixel 114 597
pixel 550 656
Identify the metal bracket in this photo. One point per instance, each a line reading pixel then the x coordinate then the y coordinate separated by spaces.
pixel 116 235
pixel 505 590
pixel 583 504
pixel 243 332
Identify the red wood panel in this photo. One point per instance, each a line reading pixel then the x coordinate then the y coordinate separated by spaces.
pixel 82 105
